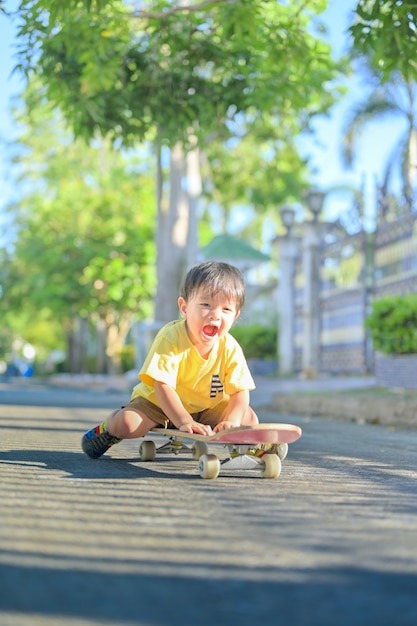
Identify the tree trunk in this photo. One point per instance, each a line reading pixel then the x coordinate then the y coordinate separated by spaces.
pixel 101 343
pixel 410 175
pixel 171 241
pixel 117 330
pixel 76 346
pixel 194 192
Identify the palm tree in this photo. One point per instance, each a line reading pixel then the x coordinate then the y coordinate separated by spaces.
pixel 394 97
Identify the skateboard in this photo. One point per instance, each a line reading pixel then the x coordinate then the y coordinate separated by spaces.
pixel 261 447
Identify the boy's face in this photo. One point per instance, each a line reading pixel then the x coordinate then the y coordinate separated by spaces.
pixel 208 318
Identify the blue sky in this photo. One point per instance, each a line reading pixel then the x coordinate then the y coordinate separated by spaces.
pixel 373 148
pixel 374 145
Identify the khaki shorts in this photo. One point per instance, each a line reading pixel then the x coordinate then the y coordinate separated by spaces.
pixel 210 417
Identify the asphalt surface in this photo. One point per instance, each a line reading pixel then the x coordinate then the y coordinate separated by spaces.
pixel 117 541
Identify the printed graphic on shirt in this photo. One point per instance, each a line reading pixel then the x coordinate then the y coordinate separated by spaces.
pixel 216 386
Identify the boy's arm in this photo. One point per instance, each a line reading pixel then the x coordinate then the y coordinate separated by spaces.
pixel 236 409
pixel 173 408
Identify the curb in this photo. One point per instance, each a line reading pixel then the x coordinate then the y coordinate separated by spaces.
pixel 388 411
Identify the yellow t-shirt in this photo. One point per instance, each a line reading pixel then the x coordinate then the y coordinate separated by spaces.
pixel 200 383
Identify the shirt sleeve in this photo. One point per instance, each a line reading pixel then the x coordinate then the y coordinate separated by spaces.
pixel 161 364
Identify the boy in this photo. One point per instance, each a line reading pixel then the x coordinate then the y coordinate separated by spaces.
pixel 195 377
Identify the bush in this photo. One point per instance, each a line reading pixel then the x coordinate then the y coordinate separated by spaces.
pixel 256 341
pixel 127 357
pixel 393 324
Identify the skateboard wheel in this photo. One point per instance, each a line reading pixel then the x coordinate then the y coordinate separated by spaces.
pixel 209 466
pixel 282 450
pixel 147 451
pixel 199 448
pixel 271 466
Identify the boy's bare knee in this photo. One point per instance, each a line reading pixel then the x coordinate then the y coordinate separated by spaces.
pixel 251 419
pixel 128 424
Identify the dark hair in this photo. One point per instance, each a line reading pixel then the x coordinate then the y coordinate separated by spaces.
pixel 216 278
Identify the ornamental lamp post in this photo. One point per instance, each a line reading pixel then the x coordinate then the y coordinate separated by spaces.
pixel 315 200
pixel 288 218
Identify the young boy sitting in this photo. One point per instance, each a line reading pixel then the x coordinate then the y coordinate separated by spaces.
pixel 195 377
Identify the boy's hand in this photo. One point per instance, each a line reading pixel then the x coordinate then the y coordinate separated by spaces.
pixel 224 426
pixel 196 427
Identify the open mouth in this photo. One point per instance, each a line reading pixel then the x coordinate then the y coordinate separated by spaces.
pixel 210 331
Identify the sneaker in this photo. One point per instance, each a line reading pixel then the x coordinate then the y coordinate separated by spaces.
pixel 97 441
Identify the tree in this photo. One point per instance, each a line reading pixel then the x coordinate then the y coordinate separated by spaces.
pixel 127 73
pixel 176 72
pixel 258 167
pixel 84 245
pixel 396 96
pixel 386 30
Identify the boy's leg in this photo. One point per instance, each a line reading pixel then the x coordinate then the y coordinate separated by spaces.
pixel 126 423
pixel 250 418
pixel 96 441
pixel 213 416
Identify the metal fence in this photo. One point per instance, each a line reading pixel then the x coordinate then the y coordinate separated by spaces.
pixel 354 271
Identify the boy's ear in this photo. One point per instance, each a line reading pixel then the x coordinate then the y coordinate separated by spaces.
pixel 236 316
pixel 182 305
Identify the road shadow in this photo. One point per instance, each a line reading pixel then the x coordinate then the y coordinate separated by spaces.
pixel 74 464
pixel 77 465
pixel 325 597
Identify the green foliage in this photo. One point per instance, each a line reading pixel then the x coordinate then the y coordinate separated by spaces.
pixel 167 70
pixel 393 324
pixel 244 77
pixel 243 172
pixel 84 233
pixel 386 30
pixel 256 341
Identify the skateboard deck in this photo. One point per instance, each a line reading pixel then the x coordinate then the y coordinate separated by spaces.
pixel 262 447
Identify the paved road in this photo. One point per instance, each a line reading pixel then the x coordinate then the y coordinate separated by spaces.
pixel 332 542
